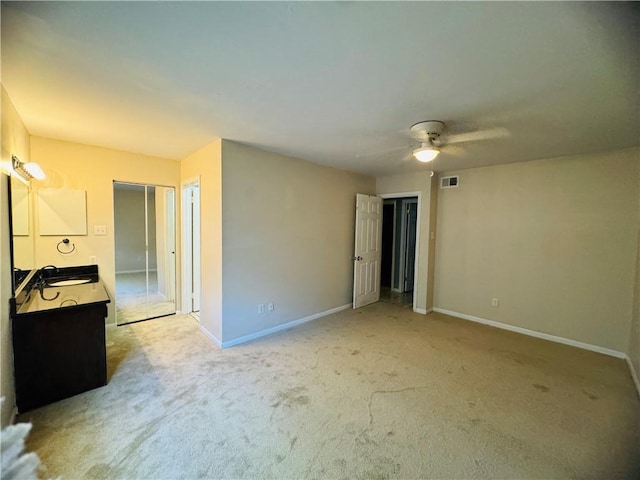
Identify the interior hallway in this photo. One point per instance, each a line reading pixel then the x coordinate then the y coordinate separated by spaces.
pixel 404 299
pixel 379 392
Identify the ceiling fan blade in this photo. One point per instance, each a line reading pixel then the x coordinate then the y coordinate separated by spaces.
pixel 488 134
pixel 454 150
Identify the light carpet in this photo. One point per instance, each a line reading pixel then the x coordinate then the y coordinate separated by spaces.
pixel 375 393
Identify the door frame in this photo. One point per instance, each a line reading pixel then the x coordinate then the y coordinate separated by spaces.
pixel 418 195
pixel 187 229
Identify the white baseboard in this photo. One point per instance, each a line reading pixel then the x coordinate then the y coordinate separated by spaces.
pixel 634 374
pixel 420 310
pixel 211 336
pixel 533 333
pixel 284 326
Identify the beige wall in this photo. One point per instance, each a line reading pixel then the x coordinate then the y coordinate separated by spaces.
pixel 206 165
pixel 417 182
pixel 555 240
pixel 15 140
pixel 634 332
pixel 93 169
pixel 288 237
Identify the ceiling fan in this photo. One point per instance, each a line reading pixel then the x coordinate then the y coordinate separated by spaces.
pixel 433 137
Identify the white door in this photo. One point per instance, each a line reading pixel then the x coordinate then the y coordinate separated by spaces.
pixel 368 251
pixel 191 247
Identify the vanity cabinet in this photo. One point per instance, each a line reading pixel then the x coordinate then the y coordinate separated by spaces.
pixel 58 354
pixel 59 345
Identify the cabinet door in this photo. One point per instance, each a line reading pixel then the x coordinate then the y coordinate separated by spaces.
pixel 58 355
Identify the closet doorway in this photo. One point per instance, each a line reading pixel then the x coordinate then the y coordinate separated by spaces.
pixel 399 237
pixel 145 246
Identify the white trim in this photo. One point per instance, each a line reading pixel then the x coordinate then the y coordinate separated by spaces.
pixel 14 414
pixel 284 326
pixel 210 336
pixel 533 333
pixel 420 310
pixel 634 374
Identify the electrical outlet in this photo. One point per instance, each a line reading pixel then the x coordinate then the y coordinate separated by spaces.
pixel 93 260
pixel 270 307
pixel 495 302
pixel 261 308
pixel 99 229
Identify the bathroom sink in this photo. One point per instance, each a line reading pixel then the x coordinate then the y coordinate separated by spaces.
pixel 71 281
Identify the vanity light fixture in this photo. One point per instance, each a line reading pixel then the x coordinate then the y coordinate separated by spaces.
pixel 27 171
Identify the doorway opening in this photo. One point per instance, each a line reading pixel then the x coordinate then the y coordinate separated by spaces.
pixel 145 244
pixel 191 247
pixel 399 240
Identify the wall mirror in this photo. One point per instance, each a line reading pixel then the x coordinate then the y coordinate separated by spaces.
pixel 62 211
pixel 21 229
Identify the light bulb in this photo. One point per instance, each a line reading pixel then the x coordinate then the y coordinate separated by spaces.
pixel 34 170
pixel 426 154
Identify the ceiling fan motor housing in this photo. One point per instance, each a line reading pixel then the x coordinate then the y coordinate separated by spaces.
pixel 427 130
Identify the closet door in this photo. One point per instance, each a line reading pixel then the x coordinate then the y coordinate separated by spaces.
pixel 144 219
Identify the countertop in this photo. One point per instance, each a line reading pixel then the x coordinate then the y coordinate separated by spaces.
pixel 36 299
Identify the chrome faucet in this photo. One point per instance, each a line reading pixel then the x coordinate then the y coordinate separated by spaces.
pixel 41 283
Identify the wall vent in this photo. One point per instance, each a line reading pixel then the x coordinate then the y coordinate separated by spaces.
pixel 449 182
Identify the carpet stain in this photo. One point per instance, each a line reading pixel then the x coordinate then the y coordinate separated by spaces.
pixel 519 359
pixel 355 352
pixel 590 395
pixel 337 372
pixel 100 470
pixel 291 398
pixel 542 388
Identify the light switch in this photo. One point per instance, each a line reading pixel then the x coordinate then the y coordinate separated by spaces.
pixel 99 229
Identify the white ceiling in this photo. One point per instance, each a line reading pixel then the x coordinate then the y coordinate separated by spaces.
pixel 335 83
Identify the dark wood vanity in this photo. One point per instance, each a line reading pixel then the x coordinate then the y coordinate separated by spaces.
pixel 58 324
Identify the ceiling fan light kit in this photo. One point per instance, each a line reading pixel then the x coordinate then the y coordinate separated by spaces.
pixel 426 153
pixel 426 132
